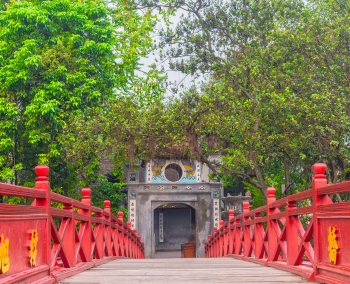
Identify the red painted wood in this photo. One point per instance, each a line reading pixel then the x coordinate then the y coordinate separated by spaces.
pixel 82 240
pixel 277 238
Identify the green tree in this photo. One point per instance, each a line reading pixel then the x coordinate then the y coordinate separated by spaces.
pixel 109 191
pixel 60 59
pixel 276 96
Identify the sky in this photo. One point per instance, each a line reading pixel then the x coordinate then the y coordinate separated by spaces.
pixel 175 77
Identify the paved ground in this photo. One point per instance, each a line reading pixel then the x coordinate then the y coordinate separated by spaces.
pixel 180 270
pixel 168 254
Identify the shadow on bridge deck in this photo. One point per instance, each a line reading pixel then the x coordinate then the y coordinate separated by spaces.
pixel 181 270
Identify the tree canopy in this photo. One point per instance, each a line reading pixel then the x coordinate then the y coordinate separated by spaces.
pixel 273 101
pixel 60 59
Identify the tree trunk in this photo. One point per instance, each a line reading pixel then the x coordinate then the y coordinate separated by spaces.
pixel 286 174
pixel 258 173
pixel 306 177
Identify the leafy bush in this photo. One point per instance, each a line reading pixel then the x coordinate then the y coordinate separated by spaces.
pixel 109 191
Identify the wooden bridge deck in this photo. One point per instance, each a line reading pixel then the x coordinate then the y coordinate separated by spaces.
pixel 180 270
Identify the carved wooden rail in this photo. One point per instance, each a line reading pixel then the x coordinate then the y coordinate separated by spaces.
pixel 33 250
pixel 273 234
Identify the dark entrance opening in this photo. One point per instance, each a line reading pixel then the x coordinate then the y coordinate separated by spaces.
pixel 174 225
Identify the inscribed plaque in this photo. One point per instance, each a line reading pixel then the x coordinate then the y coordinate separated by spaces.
pixel 161 229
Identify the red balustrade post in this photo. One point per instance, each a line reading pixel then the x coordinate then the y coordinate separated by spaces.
pixel 220 240
pixel 121 233
pixel 247 233
pixel 272 237
pixel 238 236
pixel 115 237
pixel 42 183
pixel 226 236
pixel 128 239
pixel 134 244
pixel 212 245
pixel 139 248
pixel 215 242
pixel 67 230
pixel 209 247
pixel 98 231
pixel 143 250
pixel 107 229
pixel 205 250
pixel 319 180
pixel 86 232
pixel 231 232
pixel 258 235
pixel 292 235
pixel 132 240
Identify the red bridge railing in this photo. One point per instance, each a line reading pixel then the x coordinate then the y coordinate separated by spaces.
pixel 43 244
pixel 274 235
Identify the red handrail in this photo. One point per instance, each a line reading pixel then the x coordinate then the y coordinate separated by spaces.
pixel 42 244
pixel 278 239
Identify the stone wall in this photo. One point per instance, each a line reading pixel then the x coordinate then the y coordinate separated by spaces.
pixel 150 196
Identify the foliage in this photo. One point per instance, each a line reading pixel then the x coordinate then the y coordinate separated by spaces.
pixel 257 197
pixel 275 98
pixel 109 191
pixel 60 59
pixel 92 135
pixel 277 91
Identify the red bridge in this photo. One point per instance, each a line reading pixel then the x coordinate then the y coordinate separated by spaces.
pixel 273 235
pixel 33 250
pixel 305 233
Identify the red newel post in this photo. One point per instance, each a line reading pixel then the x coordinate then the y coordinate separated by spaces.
pixel 86 241
pixel 139 248
pixel 231 231
pixel 121 236
pixel 237 235
pixel 221 240
pixel 215 242
pixel 121 216
pixel 272 238
pixel 115 241
pixel 134 244
pixel 128 240
pixel 292 234
pixel 246 231
pixel 210 246
pixel 259 240
pixel 99 231
pixel 319 180
pixel 226 235
pixel 42 182
pixel 107 229
pixel 68 240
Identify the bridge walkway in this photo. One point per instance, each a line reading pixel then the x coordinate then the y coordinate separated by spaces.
pixel 181 270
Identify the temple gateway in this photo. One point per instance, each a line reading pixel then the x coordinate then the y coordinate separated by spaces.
pixel 172 202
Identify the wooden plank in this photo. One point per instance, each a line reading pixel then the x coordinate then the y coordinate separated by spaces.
pixel 20 191
pixel 180 270
pixel 335 188
pixel 11 209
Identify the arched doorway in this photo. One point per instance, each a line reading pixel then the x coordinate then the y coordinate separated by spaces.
pixel 174 225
